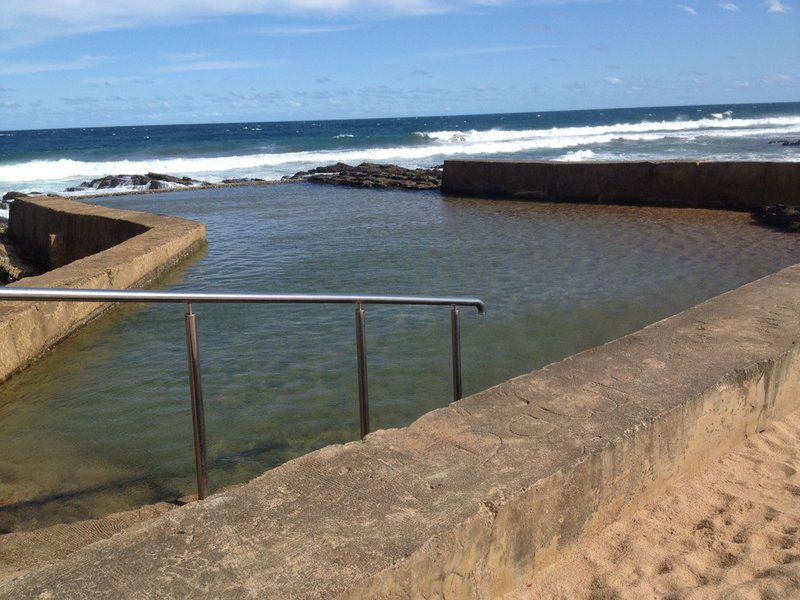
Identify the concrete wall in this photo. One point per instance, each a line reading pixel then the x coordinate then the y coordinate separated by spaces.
pixel 134 247
pixel 728 185
pixel 471 500
pixel 56 235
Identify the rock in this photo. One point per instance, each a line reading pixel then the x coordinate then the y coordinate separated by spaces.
pixel 242 180
pixel 299 176
pixel 371 175
pixel 150 181
pixel 13 196
pixel 780 215
pixel 171 179
pixel 786 143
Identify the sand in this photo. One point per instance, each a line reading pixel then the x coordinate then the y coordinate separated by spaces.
pixel 731 531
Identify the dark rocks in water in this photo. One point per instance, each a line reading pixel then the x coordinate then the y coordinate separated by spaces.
pixel 150 181
pixel 786 143
pixel 13 196
pixel 371 175
pixel 242 180
pixel 780 215
pixel 172 179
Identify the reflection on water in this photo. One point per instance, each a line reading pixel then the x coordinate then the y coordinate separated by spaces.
pixel 103 424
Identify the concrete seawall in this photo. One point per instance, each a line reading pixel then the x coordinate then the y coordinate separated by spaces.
pixel 742 186
pixel 471 500
pixel 87 246
pixel 56 233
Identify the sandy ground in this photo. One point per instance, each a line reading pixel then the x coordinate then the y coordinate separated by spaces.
pixel 732 531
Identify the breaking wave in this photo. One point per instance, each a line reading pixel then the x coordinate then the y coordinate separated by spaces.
pixel 577 155
pixel 434 146
pixel 719 126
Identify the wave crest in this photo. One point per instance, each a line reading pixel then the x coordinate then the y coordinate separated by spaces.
pixel 440 145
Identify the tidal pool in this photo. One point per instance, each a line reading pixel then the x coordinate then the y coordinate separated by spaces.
pixel 103 423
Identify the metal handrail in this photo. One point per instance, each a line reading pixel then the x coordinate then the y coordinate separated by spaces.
pixel 193 345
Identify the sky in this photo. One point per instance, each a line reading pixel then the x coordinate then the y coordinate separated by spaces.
pixel 79 63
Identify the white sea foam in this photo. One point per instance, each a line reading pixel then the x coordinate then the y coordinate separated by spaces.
pixel 50 174
pixel 664 127
pixel 577 155
pixel 343 135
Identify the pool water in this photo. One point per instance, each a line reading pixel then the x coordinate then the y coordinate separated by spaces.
pixel 103 423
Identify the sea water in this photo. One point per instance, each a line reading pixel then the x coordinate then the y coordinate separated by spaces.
pixel 54 159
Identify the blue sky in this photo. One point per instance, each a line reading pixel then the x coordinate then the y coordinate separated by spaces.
pixel 68 63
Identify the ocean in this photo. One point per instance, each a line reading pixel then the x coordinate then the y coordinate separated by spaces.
pixel 50 160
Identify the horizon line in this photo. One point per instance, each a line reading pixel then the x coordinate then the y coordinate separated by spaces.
pixel 523 112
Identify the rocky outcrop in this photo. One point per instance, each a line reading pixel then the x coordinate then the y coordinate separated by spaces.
pixel 243 181
pixel 150 181
pixel 366 175
pixel 780 215
pixel 11 196
pixel 14 265
pixel 371 175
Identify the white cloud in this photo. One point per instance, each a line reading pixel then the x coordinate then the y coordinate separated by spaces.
pixel 728 6
pixel 615 81
pixel 25 22
pixel 776 6
pixel 185 56
pixel 217 65
pixel 491 50
pixel 29 22
pixel 93 15
pixel 687 9
pixel 304 30
pixel 27 68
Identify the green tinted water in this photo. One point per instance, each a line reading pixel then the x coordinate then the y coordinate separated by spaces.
pixel 103 423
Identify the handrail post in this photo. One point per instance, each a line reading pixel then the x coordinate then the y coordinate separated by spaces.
pixel 456 326
pixel 196 391
pixel 361 354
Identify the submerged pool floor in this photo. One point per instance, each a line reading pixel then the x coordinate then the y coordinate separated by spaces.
pixel 103 423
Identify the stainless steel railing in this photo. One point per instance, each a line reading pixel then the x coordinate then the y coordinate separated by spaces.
pixel 193 344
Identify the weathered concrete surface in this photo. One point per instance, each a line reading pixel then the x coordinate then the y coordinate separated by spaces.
pixel 472 499
pixel 710 184
pixel 29 329
pixel 55 232
pixel 23 551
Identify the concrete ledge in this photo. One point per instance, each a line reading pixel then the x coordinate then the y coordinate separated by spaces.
pixel 471 500
pixel 729 185
pixel 135 247
pixel 55 232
